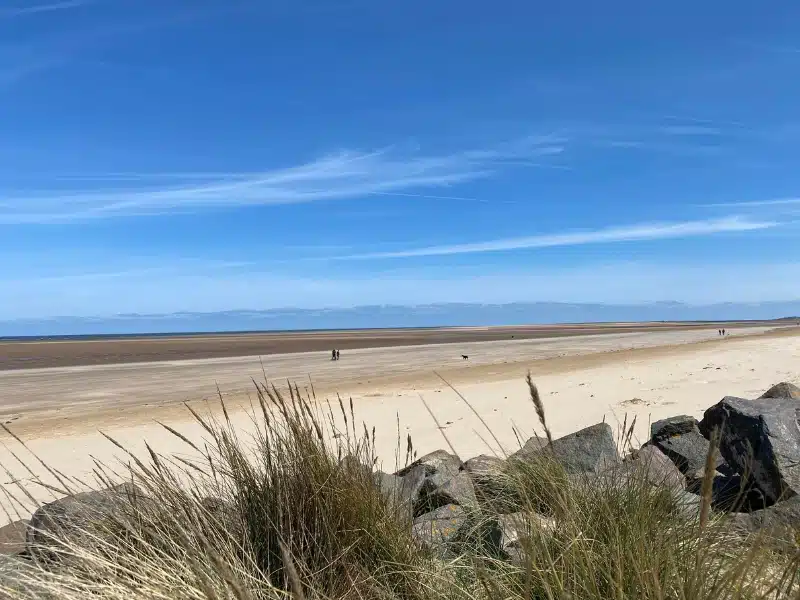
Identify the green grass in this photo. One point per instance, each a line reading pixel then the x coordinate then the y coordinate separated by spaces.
pixel 295 518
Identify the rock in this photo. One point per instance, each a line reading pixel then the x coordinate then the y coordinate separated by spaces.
pixel 442 528
pixel 435 462
pixel 403 491
pixel 68 519
pixel 680 439
pixel 687 504
pixel 782 390
pixel 441 489
pixel 760 439
pixel 515 528
pixel 589 450
pixel 19 578
pixel 784 514
pixel 492 485
pixel 485 468
pixel 652 465
pixel 13 536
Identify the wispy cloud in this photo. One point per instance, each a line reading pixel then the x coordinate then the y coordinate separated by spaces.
pixel 778 202
pixel 343 175
pixel 630 233
pixel 42 8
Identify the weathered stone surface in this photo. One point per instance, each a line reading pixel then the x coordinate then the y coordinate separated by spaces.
pixel 441 489
pixel 485 468
pixel 442 528
pixel 653 466
pixel 760 439
pixel 782 390
pixel 19 578
pixel 403 491
pixel 784 514
pixel 13 536
pixel 71 517
pixel 492 485
pixel 435 462
pixel 680 439
pixel 589 450
pixel 515 528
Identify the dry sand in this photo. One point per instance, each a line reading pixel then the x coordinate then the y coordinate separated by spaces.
pixel 583 379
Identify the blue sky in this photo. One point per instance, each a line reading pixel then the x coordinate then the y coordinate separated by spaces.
pixel 199 155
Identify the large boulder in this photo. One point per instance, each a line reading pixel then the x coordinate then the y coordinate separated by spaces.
pixel 404 491
pixel 760 439
pixel 782 390
pixel 444 482
pixel 516 528
pixel 492 484
pixel 438 461
pixel 680 439
pixel 651 465
pixel 590 450
pixel 57 525
pixel 12 537
pixel 441 529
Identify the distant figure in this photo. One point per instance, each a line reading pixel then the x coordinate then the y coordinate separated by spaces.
pixel 464 357
pixel 333 354
pixel 337 355
pixel 723 332
pixel 719 331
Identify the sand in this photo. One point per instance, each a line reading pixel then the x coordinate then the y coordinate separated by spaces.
pixel 583 379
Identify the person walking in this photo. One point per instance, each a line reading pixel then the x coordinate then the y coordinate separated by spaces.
pixel 337 355
pixel 333 354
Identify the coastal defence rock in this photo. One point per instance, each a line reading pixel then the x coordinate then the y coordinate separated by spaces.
pixel 590 450
pixel 760 439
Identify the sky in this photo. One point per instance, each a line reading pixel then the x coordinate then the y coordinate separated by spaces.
pixel 207 155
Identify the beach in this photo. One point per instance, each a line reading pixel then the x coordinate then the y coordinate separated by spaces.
pixel 478 405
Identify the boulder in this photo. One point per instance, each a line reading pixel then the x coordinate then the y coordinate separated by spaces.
pixel 67 520
pixel 435 462
pixel 12 537
pixel 515 528
pixel 403 491
pixel 442 528
pixel 589 450
pixel 441 489
pixel 650 464
pixel 492 485
pixel 778 516
pixel 782 390
pixel 680 439
pixel 760 439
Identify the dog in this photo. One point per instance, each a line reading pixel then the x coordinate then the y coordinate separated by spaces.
pixel 464 357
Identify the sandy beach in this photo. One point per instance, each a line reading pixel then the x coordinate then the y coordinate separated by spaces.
pixel 583 379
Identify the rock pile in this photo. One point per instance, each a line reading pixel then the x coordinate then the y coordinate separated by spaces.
pixel 756 476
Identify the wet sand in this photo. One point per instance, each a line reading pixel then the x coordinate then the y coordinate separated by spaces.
pixel 109 350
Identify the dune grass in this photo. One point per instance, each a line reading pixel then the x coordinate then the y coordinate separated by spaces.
pixel 294 512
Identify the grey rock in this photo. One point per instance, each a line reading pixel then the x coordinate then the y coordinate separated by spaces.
pixel 782 390
pixel 68 519
pixel 687 504
pixel 760 439
pixel 441 489
pixel 590 450
pixel 485 468
pixel 680 439
pixel 441 529
pixel 784 514
pixel 403 491
pixel 650 464
pixel 515 528
pixel 435 462
pixel 493 487
pixel 13 536
pixel 19 578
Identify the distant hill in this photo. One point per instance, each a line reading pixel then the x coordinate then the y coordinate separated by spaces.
pixel 366 317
